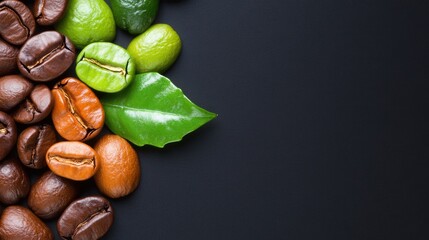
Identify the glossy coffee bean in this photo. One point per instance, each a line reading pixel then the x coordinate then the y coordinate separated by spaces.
pixel 88 218
pixel 105 67
pixel 73 160
pixel 8 134
pixel 33 143
pixel 19 223
pixel 17 23
pixel 35 107
pixel 14 182
pixel 46 56
pixel 78 114
pixel 48 12
pixel 119 171
pixel 13 90
pixel 50 195
pixel 8 56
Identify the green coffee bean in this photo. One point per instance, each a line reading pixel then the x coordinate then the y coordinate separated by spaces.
pixel 105 67
pixel 134 16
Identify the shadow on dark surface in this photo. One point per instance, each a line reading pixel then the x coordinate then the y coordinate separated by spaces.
pixel 174 1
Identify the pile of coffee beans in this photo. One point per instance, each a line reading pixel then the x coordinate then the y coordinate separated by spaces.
pixel 46 120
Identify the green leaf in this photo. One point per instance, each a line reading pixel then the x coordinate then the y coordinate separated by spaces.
pixel 151 110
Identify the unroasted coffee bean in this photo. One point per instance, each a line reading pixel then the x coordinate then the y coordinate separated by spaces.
pixel 77 114
pixel 46 56
pixel 35 107
pixel 48 12
pixel 13 90
pixel 8 134
pixel 88 218
pixel 8 55
pixel 73 160
pixel 14 182
pixel 50 195
pixel 33 143
pixel 17 23
pixel 119 172
pixel 19 223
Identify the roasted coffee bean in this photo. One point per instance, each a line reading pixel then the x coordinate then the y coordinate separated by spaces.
pixel 8 134
pixel 33 143
pixel 13 90
pixel 78 114
pixel 48 12
pixel 19 223
pixel 46 56
pixel 17 23
pixel 73 160
pixel 8 56
pixel 50 195
pixel 119 171
pixel 35 107
pixel 87 218
pixel 14 181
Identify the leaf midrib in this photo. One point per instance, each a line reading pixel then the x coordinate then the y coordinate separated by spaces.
pixel 157 111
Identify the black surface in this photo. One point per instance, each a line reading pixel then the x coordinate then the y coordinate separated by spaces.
pixel 322 130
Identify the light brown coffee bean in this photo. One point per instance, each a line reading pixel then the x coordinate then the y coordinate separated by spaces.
pixel 73 160
pixel 78 114
pixel 119 172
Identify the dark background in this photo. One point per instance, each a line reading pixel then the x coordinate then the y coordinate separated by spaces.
pixel 322 130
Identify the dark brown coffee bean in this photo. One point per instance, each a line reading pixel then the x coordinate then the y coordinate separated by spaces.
pixel 14 182
pixel 78 114
pixel 35 107
pixel 48 12
pixel 19 223
pixel 46 56
pixel 13 90
pixel 33 143
pixel 17 23
pixel 87 218
pixel 50 195
pixel 73 160
pixel 8 56
pixel 8 134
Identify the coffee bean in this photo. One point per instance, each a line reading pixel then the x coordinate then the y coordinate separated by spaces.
pixel 48 12
pixel 19 223
pixel 119 172
pixel 8 56
pixel 46 56
pixel 35 107
pixel 87 218
pixel 103 60
pixel 78 114
pixel 13 90
pixel 14 182
pixel 50 195
pixel 17 23
pixel 8 134
pixel 73 160
pixel 33 143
